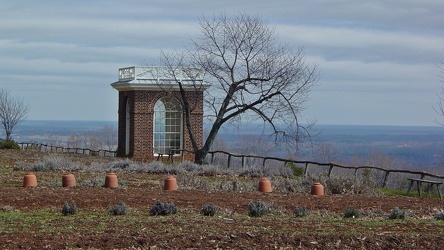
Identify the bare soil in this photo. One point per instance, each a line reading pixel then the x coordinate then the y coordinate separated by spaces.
pixel 231 228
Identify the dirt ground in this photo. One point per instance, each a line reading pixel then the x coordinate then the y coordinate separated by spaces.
pixel 231 228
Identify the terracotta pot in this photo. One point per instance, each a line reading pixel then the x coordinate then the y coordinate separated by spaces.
pixel 265 185
pixel 170 183
pixel 317 189
pixel 30 180
pixel 111 181
pixel 68 180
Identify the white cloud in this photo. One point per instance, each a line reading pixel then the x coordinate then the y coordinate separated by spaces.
pixel 355 44
pixel 377 58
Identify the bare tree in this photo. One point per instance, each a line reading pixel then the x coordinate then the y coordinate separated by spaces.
pixel 325 152
pixel 105 138
pixel 54 140
pixel 440 108
pixel 13 110
pixel 108 137
pixel 382 160
pixel 75 141
pixel 253 77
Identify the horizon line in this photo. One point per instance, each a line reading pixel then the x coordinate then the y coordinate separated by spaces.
pixel 320 124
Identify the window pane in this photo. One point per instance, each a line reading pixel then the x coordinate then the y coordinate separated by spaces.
pixel 167 126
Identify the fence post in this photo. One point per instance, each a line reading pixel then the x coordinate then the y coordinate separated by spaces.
pixel 356 174
pixel 243 161
pixel 384 184
pixel 212 158
pixel 229 161
pixel 330 170
pixel 306 169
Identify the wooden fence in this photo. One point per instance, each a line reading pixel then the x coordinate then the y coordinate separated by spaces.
pixel 243 159
pixel 47 148
pixel 330 166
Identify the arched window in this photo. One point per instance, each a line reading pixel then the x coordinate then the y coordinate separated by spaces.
pixel 167 136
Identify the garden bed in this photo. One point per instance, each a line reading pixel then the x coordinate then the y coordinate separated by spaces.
pixel 31 218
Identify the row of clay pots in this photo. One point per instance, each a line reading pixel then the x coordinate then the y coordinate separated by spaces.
pixel 69 180
pixel 265 187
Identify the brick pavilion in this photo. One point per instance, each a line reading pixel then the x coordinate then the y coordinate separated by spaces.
pixel 152 121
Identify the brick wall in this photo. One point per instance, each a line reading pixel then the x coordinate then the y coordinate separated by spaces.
pixel 141 113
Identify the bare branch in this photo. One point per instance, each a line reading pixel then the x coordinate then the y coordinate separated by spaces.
pixel 12 112
pixel 440 109
pixel 252 75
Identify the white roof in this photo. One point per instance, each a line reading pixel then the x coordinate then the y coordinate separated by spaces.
pixel 157 78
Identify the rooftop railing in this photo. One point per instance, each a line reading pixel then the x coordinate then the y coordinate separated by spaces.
pixel 160 74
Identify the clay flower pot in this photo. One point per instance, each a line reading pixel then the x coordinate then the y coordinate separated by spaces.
pixel 265 185
pixel 30 180
pixel 68 180
pixel 111 181
pixel 170 183
pixel 317 189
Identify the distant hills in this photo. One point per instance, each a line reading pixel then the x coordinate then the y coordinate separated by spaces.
pixel 420 147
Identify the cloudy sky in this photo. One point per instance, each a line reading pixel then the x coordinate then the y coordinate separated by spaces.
pixel 378 59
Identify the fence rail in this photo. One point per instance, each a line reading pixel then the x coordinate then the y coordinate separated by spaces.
pixel 48 148
pixel 230 156
pixel 330 166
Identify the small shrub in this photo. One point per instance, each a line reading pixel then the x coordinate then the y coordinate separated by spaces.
pixel 156 167
pixel 119 209
pixel 367 177
pixel 38 167
pixel 55 163
pixel 347 185
pixel 257 209
pixel 297 171
pixel 301 211
pixel 7 208
pixel 69 209
pixel 208 170
pixel 439 216
pixel 340 185
pixel 160 208
pixel 91 181
pixel 9 144
pixel 397 214
pixel 209 210
pixel 351 213
pixel 291 185
pixel 62 163
pixel 188 166
pixel 191 181
pixel 122 164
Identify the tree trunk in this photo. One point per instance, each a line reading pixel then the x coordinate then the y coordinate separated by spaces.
pixel 199 156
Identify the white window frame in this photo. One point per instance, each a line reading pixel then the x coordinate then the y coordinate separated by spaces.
pixel 167 132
